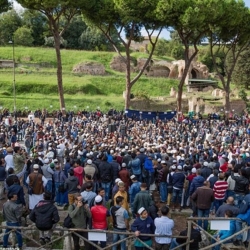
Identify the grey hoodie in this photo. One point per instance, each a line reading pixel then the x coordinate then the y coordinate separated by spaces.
pixel 71 184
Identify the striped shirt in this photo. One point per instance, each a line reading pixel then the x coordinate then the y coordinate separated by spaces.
pixel 220 188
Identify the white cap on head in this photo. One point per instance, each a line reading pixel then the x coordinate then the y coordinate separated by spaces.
pixel 132 177
pixel 173 167
pixel 141 210
pixel 179 167
pixel 163 162
pixel 111 151
pixel 89 162
pixel 124 165
pixel 193 170
pixel 46 160
pixel 117 180
pixel 35 166
pixel 205 163
pixel 98 198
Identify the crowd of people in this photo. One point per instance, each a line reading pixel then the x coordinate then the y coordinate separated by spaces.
pixel 130 172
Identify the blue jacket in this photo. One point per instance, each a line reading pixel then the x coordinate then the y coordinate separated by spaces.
pixel 3 174
pixel 144 226
pixel 223 234
pixel 148 165
pixel 17 189
pixel 133 190
pixel 196 183
pixel 245 217
pixel 245 204
pixel 178 180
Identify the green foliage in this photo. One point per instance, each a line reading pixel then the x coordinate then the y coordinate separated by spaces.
pixel 4 5
pixel 9 23
pixel 243 95
pixel 177 52
pixel 241 74
pixel 37 23
pixel 23 36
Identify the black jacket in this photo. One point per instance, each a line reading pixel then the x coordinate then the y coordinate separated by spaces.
pixel 195 236
pixel 44 214
pixel 106 172
pixel 241 184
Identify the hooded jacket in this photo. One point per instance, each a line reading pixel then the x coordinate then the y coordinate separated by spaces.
pixel 45 215
pixel 196 183
pixel 71 184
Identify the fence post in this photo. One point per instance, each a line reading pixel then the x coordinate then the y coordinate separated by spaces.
pixel 189 234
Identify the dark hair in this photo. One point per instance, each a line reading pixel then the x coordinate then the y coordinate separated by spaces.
pixel 143 185
pixel 15 179
pixel 78 162
pixel 10 195
pixel 89 185
pixel 88 176
pixel 133 155
pixel 47 195
pixel 164 210
pixel 100 189
pixel 229 213
pixel 119 199
pixel 71 172
pixel 16 149
pixel 10 170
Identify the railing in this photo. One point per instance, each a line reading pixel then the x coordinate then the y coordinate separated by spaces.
pixel 68 232
pixel 130 235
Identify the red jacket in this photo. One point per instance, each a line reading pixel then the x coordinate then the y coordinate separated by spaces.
pixel 99 217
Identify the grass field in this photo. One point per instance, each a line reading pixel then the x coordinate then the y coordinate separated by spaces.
pixel 36 85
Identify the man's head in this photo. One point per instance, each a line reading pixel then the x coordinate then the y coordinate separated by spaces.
pixel 143 213
pixel 230 200
pixel 101 191
pixel 78 198
pixel 164 210
pixel 121 186
pixel 228 214
pixel 98 200
pixel 143 186
pixel 47 196
pixel 12 196
pixel 221 176
pixel 119 200
pixel 89 186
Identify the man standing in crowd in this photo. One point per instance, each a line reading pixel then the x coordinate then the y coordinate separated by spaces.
pixel 203 197
pixel 163 226
pixel 45 216
pixel 99 217
pixel 12 214
pixel 37 183
pixel 79 212
pixel 120 219
pixel 142 199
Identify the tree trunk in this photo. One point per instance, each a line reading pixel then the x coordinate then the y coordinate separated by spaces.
pixel 59 70
pixel 128 80
pixel 227 101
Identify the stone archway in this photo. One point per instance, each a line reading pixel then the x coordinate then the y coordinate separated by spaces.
pixel 194 74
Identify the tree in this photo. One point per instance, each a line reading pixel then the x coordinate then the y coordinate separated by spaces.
pixel 72 35
pixel 231 39
pixel 127 17
pixel 23 36
pixel 241 74
pixel 191 20
pixel 9 22
pixel 37 23
pixel 59 14
pixel 5 5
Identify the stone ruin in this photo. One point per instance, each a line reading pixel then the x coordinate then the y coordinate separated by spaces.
pixel 91 68
pixel 161 68
pixel 218 93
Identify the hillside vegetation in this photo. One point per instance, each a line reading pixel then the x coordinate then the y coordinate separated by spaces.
pixel 36 82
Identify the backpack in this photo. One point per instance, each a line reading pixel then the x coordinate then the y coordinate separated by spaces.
pixel 68 221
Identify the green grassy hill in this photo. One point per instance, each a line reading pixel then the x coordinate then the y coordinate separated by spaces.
pixel 36 82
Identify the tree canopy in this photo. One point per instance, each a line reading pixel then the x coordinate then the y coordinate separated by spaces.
pixel 126 19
